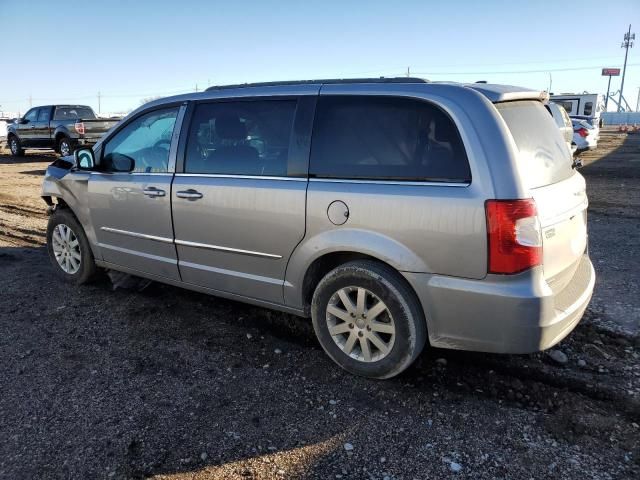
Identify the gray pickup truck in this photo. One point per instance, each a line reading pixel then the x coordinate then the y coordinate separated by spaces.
pixel 58 127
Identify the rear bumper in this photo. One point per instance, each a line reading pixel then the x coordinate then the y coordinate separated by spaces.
pixel 502 314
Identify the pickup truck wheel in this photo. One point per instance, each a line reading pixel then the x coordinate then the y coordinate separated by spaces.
pixel 69 249
pixel 368 319
pixel 64 147
pixel 14 146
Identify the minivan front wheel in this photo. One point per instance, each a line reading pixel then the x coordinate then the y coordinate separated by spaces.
pixel 368 320
pixel 69 249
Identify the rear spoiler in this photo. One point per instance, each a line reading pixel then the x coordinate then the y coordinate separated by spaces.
pixel 507 93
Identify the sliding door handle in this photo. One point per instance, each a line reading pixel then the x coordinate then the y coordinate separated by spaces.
pixel 154 192
pixel 190 194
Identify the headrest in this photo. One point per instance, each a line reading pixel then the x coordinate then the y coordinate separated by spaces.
pixel 230 127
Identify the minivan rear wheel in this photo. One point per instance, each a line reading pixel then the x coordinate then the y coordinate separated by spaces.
pixel 368 320
pixel 69 249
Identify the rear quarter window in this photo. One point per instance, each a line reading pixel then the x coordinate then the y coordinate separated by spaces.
pixel 386 138
pixel 543 157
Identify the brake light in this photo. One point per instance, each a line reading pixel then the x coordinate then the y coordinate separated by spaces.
pixel 583 132
pixel 514 235
pixel 79 126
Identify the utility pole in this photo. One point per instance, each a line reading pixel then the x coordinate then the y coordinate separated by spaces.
pixel 196 88
pixel 626 44
pixel 550 83
pixel 99 109
pixel 638 101
pixel 606 100
pixel 408 71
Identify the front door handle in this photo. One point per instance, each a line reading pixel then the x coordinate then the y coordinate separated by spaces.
pixel 154 192
pixel 190 194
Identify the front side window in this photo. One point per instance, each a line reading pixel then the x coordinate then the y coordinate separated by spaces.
pixel 385 138
pixel 241 138
pixel 32 115
pixel 44 114
pixel 146 140
pixel 588 108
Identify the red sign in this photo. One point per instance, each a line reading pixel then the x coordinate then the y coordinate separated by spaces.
pixel 613 72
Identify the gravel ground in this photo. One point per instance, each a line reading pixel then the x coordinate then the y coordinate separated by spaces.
pixel 171 384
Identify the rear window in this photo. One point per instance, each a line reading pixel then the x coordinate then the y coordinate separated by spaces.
pixel 386 138
pixel 543 154
pixel 73 113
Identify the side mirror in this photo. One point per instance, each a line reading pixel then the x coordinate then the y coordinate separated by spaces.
pixel 117 162
pixel 85 159
pixel 23 121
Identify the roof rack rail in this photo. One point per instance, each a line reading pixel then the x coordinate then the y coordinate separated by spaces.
pixel 324 81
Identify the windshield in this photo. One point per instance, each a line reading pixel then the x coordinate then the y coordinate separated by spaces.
pixel 543 156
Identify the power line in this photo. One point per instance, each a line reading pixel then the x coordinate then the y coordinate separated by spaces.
pixel 544 70
pixel 547 61
pixel 426 71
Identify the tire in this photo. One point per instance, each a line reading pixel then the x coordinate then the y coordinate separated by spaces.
pixel 65 147
pixel 74 270
pixel 15 147
pixel 400 328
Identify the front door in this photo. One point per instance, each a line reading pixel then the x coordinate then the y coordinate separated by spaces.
pixel 27 128
pixel 239 205
pixel 41 134
pixel 131 211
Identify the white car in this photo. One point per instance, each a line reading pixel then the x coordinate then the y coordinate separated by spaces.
pixel 585 137
pixel 561 117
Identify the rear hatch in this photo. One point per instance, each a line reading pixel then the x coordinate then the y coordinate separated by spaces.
pixel 545 166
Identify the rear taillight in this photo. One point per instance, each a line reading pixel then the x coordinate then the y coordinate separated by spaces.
pixel 79 126
pixel 513 234
pixel 583 132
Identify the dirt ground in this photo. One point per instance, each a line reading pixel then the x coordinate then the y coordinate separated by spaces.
pixel 171 384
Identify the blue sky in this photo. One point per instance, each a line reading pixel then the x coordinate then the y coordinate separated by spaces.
pixel 129 50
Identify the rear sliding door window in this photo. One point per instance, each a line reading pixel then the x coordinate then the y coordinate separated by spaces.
pixel 241 138
pixel 386 138
pixel 543 156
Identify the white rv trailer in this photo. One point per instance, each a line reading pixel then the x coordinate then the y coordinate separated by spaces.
pixel 583 106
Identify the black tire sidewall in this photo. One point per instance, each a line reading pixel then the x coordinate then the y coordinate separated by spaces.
pixel 407 316
pixel 20 150
pixel 87 264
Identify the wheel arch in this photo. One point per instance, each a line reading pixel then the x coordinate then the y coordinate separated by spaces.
pixel 58 135
pixel 314 258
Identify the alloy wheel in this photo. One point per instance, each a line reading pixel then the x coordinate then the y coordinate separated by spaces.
pixel 360 324
pixel 66 249
pixel 65 149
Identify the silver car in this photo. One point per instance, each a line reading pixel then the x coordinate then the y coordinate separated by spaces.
pixel 393 212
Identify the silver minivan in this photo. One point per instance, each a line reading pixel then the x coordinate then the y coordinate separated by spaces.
pixel 393 212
